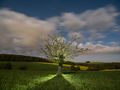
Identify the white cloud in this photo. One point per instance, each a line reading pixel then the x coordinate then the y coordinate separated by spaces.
pixel 75 34
pixel 95 22
pixel 17 28
pixel 101 18
pixel 72 21
pixel 55 20
pixel 96 35
pixel 100 48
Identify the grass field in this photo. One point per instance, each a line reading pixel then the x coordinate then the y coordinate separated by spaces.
pixel 35 66
pixel 44 78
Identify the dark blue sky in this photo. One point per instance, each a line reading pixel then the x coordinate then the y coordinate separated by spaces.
pixel 48 8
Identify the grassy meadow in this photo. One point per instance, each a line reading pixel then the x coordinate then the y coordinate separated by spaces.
pixel 41 76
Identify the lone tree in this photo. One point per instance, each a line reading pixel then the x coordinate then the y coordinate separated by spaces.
pixel 57 48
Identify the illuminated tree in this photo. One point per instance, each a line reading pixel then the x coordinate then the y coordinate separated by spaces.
pixel 57 48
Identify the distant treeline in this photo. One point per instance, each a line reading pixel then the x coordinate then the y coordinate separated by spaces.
pixel 91 65
pixel 11 57
pixel 95 66
pixel 101 66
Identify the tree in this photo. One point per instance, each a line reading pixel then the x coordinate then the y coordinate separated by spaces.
pixel 57 48
pixel 87 61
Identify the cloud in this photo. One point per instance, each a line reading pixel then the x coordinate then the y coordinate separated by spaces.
pixel 19 32
pixel 72 21
pixel 95 22
pixel 72 35
pixel 101 18
pixel 101 48
pixel 96 35
pixel 20 29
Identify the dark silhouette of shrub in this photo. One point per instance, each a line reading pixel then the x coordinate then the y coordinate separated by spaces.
pixel 95 67
pixel 87 61
pixel 8 66
pixel 23 68
pixel 72 67
pixel 75 68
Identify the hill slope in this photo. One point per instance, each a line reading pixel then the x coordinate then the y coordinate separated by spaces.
pixel 11 57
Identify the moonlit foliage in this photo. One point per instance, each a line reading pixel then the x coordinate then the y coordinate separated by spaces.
pixel 57 45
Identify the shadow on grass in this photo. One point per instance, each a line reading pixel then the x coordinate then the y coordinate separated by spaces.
pixel 56 83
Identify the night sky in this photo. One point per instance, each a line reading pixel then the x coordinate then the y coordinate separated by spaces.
pixel 97 22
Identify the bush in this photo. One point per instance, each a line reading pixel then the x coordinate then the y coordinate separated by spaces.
pixel 8 66
pixel 87 61
pixel 95 68
pixel 69 72
pixel 75 68
pixel 72 67
pixel 23 67
pixel 1 66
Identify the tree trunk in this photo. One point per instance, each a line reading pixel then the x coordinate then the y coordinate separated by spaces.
pixel 60 66
pixel 59 72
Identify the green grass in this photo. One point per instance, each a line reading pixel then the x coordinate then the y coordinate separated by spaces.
pixel 95 80
pixel 44 78
pixel 38 80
